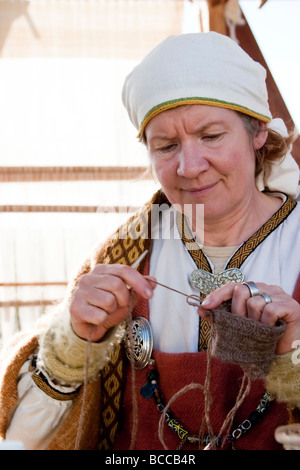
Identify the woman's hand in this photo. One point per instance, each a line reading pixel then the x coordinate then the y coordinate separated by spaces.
pixel 282 306
pixel 102 298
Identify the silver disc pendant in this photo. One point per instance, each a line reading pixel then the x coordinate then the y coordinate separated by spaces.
pixel 206 282
pixel 139 342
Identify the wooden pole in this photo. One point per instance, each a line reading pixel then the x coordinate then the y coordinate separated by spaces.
pixel 248 42
pixel 277 105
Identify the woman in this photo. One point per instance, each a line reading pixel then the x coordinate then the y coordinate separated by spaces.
pixel 200 105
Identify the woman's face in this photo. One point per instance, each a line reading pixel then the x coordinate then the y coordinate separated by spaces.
pixel 203 155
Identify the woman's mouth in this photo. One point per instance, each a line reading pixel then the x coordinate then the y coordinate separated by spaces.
pixel 200 190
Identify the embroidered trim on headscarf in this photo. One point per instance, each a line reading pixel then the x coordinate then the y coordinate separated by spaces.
pixel 197 100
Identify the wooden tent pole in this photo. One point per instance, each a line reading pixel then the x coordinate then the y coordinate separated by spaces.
pixel 277 105
pixel 248 42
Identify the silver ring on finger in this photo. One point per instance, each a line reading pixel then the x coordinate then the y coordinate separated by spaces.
pixel 267 298
pixel 252 288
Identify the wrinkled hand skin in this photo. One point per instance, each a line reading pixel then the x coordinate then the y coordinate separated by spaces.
pixel 103 296
pixel 283 307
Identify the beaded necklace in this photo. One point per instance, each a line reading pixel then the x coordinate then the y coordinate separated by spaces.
pixel 151 389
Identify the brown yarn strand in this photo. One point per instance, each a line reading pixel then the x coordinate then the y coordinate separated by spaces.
pixel 85 382
pixel 207 395
pixel 86 368
pixel 88 352
pixel 230 416
pixel 161 425
pixel 133 377
pixel 207 402
pixel 227 424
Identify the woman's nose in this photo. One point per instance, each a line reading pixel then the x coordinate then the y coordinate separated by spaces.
pixel 192 160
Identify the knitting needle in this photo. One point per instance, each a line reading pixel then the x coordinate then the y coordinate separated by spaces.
pixel 195 298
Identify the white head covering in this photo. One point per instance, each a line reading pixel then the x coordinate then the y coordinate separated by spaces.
pixel 199 68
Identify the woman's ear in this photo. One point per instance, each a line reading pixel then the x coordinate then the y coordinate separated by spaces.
pixel 261 136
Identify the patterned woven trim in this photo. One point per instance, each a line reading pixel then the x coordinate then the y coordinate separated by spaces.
pixel 190 242
pixel 198 100
pixel 252 243
pixel 236 260
pixel 134 237
pixel 248 246
pixel 41 381
pixel 112 392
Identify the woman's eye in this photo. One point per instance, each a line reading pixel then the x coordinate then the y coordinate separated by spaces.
pixel 212 137
pixel 167 148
